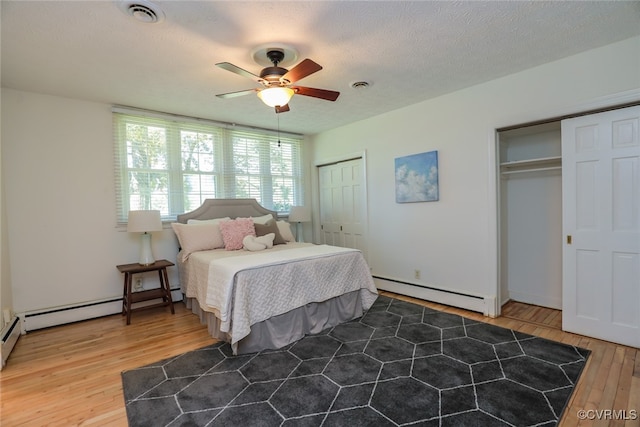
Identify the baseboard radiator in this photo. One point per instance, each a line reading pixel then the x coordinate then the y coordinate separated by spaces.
pixel 10 334
pixel 45 318
pixel 482 304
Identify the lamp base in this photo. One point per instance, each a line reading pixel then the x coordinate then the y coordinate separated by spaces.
pixel 299 237
pixel 146 256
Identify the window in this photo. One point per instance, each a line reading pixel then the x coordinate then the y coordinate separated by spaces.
pixel 174 165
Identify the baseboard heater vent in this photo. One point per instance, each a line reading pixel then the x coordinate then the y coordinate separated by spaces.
pixel 46 318
pixel 484 305
pixel 10 335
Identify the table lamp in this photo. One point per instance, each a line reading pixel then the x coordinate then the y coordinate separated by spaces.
pixel 145 222
pixel 299 214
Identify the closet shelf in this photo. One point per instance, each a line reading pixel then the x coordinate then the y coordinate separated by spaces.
pixel 523 165
pixel 550 168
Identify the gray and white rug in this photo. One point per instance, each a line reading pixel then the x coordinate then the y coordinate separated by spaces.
pixel 400 364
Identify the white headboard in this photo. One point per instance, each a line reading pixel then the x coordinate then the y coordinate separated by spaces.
pixel 220 208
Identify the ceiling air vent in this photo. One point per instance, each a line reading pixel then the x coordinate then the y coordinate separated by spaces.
pixel 142 10
pixel 360 85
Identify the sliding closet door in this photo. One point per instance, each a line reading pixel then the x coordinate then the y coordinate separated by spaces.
pixel 601 225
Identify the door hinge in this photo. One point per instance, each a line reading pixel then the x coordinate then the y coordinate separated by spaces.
pixel 569 239
pixel 340 228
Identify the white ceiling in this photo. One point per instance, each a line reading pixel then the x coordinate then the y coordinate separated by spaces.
pixel 407 51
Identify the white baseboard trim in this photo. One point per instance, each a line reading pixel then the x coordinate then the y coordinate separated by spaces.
pixel 45 318
pixel 482 304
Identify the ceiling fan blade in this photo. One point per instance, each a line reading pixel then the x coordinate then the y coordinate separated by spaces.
pixel 234 94
pixel 328 95
pixel 300 71
pixel 235 69
pixel 282 109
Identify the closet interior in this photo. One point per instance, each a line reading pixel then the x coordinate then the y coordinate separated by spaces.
pixel 530 214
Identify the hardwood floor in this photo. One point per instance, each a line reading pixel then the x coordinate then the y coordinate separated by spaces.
pixel 70 375
pixel 533 314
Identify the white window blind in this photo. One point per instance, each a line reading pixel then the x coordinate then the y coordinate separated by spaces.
pixel 173 165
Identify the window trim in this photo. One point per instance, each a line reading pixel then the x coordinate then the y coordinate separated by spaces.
pixel 224 172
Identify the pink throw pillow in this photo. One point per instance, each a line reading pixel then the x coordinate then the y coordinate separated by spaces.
pixel 234 231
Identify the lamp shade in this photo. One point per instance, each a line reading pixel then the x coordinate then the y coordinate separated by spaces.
pixel 276 96
pixel 144 221
pixel 299 214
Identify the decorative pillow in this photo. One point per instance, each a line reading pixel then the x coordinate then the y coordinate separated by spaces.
pixel 253 243
pixel 234 231
pixel 262 219
pixel 270 227
pixel 197 237
pixel 285 231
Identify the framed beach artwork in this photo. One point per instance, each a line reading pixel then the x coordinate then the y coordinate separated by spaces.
pixel 417 178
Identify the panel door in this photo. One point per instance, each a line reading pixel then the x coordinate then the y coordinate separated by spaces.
pixel 601 224
pixel 343 205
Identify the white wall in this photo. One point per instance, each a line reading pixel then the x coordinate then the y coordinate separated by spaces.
pixel 57 164
pixel 453 241
pixel 6 291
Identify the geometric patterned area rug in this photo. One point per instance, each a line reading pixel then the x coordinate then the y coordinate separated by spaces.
pixel 400 364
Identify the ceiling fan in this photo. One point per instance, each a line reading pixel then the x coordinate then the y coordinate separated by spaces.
pixel 277 82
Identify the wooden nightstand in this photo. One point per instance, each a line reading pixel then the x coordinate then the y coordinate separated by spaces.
pixel 164 291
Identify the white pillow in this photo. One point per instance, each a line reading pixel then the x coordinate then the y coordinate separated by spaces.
pixel 207 221
pixel 262 219
pixel 197 237
pixel 285 231
pixel 218 241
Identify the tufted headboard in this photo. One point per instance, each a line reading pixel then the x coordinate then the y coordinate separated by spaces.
pixel 220 208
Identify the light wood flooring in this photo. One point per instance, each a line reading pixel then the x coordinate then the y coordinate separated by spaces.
pixel 70 375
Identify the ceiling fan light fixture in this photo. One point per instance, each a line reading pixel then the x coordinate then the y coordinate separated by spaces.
pixel 276 96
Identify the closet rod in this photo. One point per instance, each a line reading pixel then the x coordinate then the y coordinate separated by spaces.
pixel 532 170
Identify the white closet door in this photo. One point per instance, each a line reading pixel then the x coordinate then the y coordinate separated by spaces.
pixel 601 213
pixel 343 205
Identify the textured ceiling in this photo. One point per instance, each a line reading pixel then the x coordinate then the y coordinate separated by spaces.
pixel 408 51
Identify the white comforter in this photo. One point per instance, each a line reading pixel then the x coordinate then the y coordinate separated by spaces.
pixel 243 288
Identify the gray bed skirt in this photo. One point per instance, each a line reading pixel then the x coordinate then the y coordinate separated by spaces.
pixel 289 327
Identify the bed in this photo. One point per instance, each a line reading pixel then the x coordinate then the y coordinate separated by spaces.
pixel 265 298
